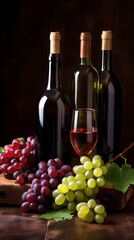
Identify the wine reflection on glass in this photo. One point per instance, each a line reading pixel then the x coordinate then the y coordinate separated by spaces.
pixel 83 133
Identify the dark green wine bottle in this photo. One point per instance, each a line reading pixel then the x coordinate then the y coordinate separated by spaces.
pixel 109 116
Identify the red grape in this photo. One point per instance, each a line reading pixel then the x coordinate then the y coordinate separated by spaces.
pixel 41 208
pixel 26 152
pixel 16 144
pixel 41 199
pixel 37 188
pixel 9 152
pixel 22 159
pixel 17 153
pixel 3 158
pixel 18 156
pixel 33 206
pixel 43 166
pixel 25 206
pixel 52 162
pixel 20 179
pixel 31 197
pixel 46 178
pixel 10 169
pixel 52 171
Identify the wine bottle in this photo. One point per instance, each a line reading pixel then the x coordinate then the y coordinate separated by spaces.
pixel 85 83
pixel 86 78
pixel 109 123
pixel 53 111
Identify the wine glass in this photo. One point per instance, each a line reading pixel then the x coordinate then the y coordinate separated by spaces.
pixel 83 133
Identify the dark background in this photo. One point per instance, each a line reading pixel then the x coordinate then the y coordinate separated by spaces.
pixel 25 26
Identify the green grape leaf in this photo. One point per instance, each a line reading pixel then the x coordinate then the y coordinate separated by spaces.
pixel 58 215
pixel 120 177
pixel 21 139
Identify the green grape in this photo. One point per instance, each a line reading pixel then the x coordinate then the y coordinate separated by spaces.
pixel 86 198
pixel 89 174
pixel 104 214
pixel 81 184
pixel 65 203
pixel 88 191
pixel 74 167
pixel 70 196
pixel 97 172
pixel 99 209
pixel 80 176
pixel 100 181
pixel 70 178
pixel 91 203
pixel 91 183
pixel 97 157
pixel 55 206
pixel 89 217
pixel 96 160
pixel 59 200
pixel 55 193
pixel 72 185
pixel 96 190
pixel 99 218
pixel 63 188
pixel 81 214
pixel 79 205
pixel 79 196
pixel 83 159
pixel 64 180
pixel 102 162
pixel 78 169
pixel 71 206
pixel 85 209
pixel 88 165
pixel 104 170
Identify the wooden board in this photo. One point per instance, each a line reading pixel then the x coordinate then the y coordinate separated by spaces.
pixel 11 192
pixel 114 199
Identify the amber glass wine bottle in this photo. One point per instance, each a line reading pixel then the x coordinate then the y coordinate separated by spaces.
pixel 109 123
pixel 85 84
pixel 53 111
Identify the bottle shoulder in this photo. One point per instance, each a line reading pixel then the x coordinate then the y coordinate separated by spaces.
pixel 108 74
pixel 107 78
pixel 86 69
pixel 54 95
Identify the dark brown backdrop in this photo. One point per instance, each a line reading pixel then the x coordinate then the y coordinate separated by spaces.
pixel 24 46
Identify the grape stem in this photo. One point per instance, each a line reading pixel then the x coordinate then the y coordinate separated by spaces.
pixel 121 153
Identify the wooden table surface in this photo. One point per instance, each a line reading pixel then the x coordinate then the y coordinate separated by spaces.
pixel 15 225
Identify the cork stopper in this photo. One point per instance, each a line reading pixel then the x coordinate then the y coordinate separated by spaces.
pixel 85 38
pixel 106 37
pixel 55 42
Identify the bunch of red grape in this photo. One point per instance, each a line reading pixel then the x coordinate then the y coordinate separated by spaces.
pixel 17 160
pixel 38 197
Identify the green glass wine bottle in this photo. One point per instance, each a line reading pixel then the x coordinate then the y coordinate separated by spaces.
pixel 85 83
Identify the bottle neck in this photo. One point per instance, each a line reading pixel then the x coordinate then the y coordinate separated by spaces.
pixel 54 71
pixel 85 52
pixel 106 50
pixel 106 60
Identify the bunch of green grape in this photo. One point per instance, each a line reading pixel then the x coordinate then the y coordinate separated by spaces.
pixel 78 192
